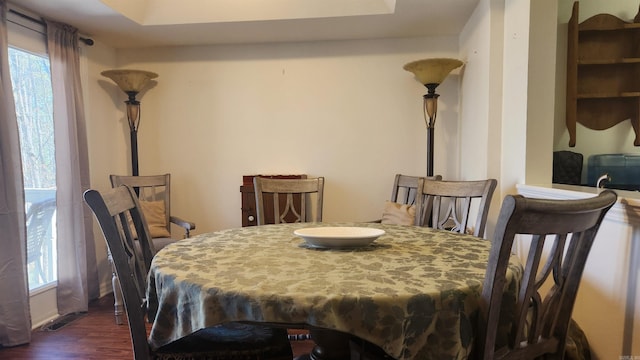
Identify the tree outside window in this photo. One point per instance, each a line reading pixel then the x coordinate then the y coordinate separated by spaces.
pixel 31 80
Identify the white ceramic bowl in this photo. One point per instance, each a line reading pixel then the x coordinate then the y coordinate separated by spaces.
pixel 339 237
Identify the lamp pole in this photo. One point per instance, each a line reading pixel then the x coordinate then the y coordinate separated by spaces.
pixel 134 152
pixel 430 112
pixel 133 117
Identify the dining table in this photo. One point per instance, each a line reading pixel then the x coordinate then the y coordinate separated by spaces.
pixel 413 291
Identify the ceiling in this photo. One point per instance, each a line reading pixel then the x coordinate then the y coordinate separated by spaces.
pixel 149 23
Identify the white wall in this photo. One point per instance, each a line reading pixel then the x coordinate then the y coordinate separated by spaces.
pixel 481 46
pixel 508 95
pixel 344 110
pixel 475 50
pixel 540 90
pixel 108 143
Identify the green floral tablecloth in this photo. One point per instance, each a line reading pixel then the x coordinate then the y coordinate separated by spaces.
pixel 413 292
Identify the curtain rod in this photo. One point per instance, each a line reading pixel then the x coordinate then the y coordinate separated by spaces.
pixel 87 41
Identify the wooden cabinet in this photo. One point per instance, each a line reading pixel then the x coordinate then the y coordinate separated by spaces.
pixel 249 215
pixel 603 73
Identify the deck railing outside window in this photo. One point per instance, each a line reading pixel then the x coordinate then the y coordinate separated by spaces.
pixel 41 236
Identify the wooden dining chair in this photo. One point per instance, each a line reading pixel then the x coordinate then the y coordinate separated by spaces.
pixel 400 208
pixel 447 204
pixel 539 323
pixel 112 209
pixel 405 188
pixel 154 194
pixel 288 200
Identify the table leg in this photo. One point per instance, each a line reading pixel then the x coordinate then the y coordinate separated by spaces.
pixel 330 345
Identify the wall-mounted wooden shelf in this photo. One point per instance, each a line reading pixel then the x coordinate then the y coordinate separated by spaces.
pixel 603 73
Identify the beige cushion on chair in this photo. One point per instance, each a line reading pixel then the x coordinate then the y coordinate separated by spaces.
pixel 399 214
pixel 154 213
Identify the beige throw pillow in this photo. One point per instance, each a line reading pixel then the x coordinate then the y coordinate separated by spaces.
pixel 399 214
pixel 154 214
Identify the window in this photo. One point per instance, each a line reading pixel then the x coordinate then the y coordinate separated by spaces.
pixel 31 81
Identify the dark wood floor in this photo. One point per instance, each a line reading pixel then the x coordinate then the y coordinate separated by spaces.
pixel 94 336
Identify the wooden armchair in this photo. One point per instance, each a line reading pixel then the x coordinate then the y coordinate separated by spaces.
pixel 154 194
pixel 155 189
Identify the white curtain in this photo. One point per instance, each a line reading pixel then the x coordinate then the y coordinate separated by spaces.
pixel 15 321
pixel 77 268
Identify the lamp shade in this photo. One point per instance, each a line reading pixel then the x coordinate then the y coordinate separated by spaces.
pixel 130 80
pixel 432 71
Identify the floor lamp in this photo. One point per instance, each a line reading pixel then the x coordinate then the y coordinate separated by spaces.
pixel 132 82
pixel 431 73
